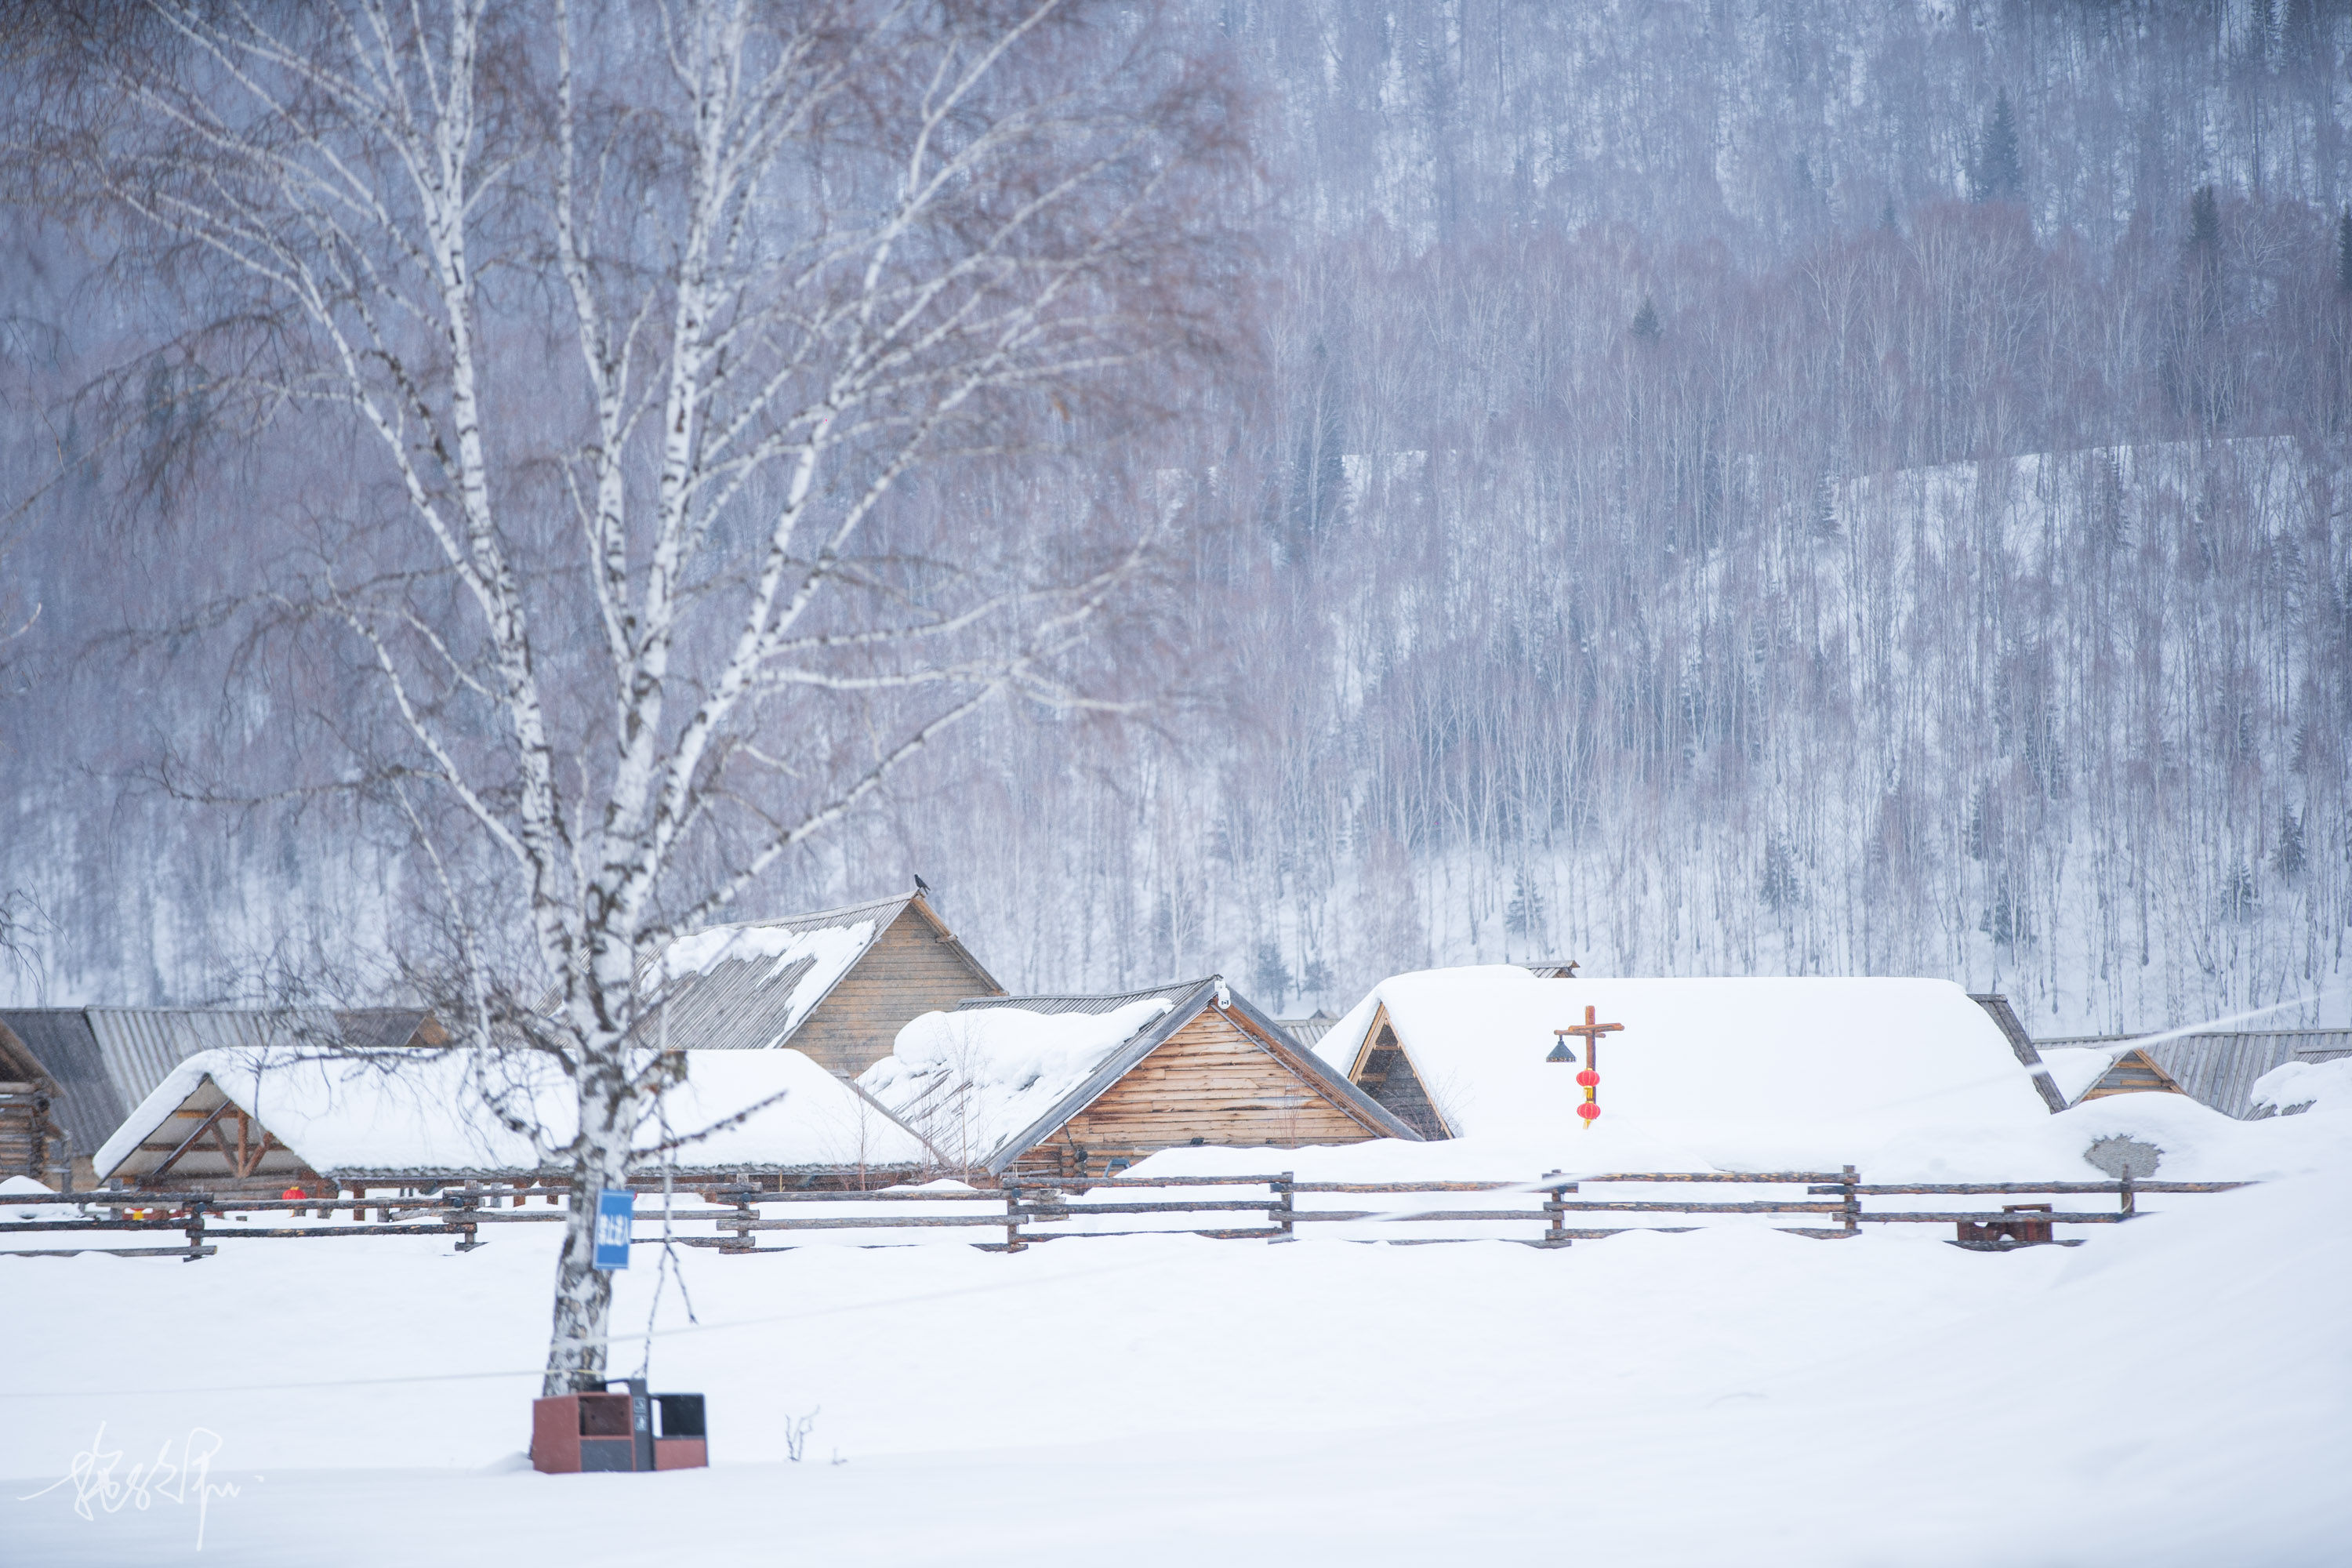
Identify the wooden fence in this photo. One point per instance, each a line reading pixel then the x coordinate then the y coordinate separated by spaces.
pixel 1030 1209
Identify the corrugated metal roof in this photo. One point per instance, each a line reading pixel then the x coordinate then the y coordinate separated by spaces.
pixel 382 1028
pixel 882 911
pixel 88 1105
pixel 2221 1068
pixel 107 1060
pixel 1308 1032
pixel 141 1045
pixel 746 1004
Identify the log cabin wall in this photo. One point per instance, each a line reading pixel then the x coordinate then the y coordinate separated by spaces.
pixel 911 969
pixel 1209 1082
pixel 30 1144
pixel 1388 1076
pixel 31 1140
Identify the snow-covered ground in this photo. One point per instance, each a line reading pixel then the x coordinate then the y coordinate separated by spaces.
pixel 2175 1391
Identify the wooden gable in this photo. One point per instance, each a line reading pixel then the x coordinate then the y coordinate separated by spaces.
pixel 914 966
pixel 212 1144
pixel 1382 1070
pixel 2133 1072
pixel 1214 1080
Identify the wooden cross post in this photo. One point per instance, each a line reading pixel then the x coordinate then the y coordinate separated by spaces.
pixel 1590 1077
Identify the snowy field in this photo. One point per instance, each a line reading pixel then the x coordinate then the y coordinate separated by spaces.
pixel 2176 1391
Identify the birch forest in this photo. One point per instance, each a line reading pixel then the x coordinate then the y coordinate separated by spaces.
pixel 1708 488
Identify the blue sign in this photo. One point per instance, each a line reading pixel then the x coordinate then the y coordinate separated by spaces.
pixel 615 1212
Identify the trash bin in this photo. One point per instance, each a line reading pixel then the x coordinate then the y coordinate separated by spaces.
pixel 680 1441
pixel 633 1430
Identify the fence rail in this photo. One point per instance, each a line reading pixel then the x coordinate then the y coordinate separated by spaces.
pixel 1030 1209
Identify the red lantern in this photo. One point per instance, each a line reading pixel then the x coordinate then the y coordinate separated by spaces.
pixel 1588 1078
pixel 1588 1111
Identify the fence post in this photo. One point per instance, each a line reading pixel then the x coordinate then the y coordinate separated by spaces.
pixel 2124 1187
pixel 1281 1212
pixel 1013 1242
pixel 744 1215
pixel 1851 1214
pixel 196 1230
pixel 466 1201
pixel 1556 1214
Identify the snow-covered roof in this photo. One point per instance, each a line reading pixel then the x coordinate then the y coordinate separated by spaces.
pixel 106 1058
pixel 2293 1087
pixel 1694 1053
pixel 2075 1068
pixel 752 984
pixel 470 1112
pixel 973 1081
pixel 987 1081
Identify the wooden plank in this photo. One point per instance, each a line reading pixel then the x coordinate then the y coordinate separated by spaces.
pixel 1764 1178
pixel 212 1121
pixel 61 1227
pixel 113 1252
pixel 899 1222
pixel 1409 1186
pixel 1081 1209
pixel 1252 1233
pixel 1925 1189
pixel 1466 1217
pixel 1995 1218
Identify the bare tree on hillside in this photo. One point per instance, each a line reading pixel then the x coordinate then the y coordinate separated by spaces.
pixel 594 353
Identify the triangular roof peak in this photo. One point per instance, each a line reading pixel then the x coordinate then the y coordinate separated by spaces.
pixel 2133 1072
pixel 751 984
pixel 1006 1094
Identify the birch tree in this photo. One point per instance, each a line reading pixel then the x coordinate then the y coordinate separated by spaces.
pixel 596 352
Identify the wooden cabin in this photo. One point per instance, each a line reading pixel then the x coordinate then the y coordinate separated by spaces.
pixel 32 1143
pixel 104 1060
pixel 1077 1086
pixel 206 1138
pixel 1476 1052
pixel 2221 1068
pixel 837 984
pixel 254 1121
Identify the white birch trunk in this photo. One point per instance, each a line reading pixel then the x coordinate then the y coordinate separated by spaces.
pixel 755 367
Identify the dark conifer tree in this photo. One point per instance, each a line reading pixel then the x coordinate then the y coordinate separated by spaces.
pixel 1645 322
pixel 1999 173
pixel 2204 257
